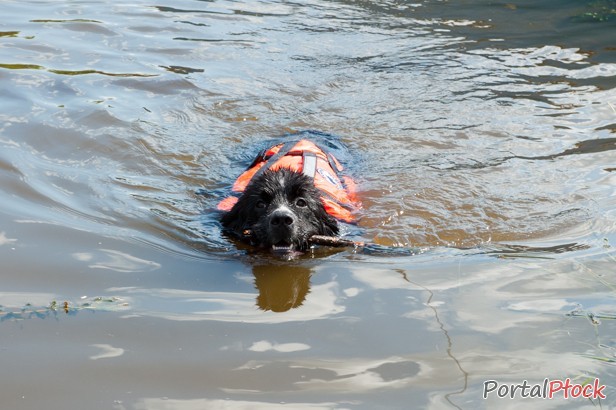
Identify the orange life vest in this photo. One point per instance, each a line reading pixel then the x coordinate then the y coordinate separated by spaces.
pixel 338 193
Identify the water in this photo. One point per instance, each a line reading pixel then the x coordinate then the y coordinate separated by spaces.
pixel 481 133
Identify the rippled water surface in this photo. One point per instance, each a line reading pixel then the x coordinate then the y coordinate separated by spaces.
pixel 480 133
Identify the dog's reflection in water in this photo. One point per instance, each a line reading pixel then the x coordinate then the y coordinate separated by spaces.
pixel 281 287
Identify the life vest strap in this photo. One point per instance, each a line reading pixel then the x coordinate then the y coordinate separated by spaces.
pixel 284 150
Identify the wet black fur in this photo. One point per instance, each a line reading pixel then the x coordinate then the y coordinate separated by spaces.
pixel 280 208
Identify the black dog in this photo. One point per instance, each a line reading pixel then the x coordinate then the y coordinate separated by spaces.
pixel 290 193
pixel 281 210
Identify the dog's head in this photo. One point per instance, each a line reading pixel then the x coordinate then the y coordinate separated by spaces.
pixel 282 209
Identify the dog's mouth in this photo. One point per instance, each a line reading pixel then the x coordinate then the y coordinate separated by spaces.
pixel 283 247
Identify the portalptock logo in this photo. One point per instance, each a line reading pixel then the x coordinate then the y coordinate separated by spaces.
pixel 549 389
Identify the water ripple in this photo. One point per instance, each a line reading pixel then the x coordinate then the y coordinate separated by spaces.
pixel 449 130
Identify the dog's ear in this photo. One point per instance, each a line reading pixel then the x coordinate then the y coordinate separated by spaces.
pixel 236 219
pixel 329 225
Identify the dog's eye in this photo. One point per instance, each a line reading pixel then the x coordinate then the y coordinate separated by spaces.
pixel 260 204
pixel 301 202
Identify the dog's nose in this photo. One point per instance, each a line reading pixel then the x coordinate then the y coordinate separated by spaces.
pixel 281 217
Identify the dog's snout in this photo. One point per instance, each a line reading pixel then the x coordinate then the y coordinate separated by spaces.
pixel 282 217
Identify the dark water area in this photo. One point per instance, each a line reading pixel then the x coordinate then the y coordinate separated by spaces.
pixel 481 136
